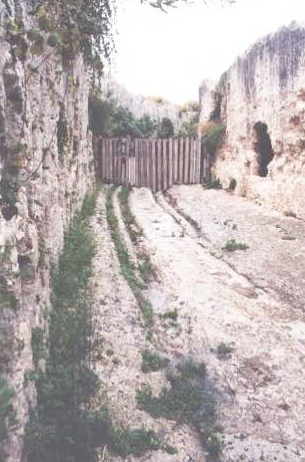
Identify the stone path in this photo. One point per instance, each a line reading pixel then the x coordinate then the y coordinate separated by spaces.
pixel 249 299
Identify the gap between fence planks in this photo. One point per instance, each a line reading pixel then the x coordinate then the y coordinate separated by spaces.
pixel 154 163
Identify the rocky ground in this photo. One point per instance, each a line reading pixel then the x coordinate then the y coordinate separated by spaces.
pixel 239 312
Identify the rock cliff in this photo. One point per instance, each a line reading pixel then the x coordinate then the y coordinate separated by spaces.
pixel 261 99
pixel 46 168
pixel 140 105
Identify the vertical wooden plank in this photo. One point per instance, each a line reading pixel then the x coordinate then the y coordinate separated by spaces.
pixel 140 162
pixel 124 162
pixel 191 163
pixel 156 165
pixel 145 162
pixel 181 161
pixel 175 162
pixel 145 158
pixel 160 159
pixel 170 163
pixel 100 158
pixel 104 159
pixel 198 155
pixel 163 165
pixel 186 161
pixel 192 160
pixel 117 156
pixel 127 176
pixel 159 164
pixel 203 167
pixel 111 161
pixel 118 160
pixel 153 164
pixel 107 160
pixel 149 163
pixel 135 164
pixel 136 151
pixel 131 163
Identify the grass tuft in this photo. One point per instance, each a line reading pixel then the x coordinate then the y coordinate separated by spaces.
pixel 232 246
pixel 188 399
pixel 152 362
pixel 127 267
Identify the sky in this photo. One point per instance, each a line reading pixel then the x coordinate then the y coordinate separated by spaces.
pixel 169 54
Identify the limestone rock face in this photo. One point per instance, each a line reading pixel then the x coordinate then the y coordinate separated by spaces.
pixel 140 105
pixel 265 85
pixel 45 149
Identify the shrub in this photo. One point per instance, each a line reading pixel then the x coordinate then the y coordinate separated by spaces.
pixel 7 413
pixel 232 246
pixel 100 113
pixel 152 361
pixel 224 350
pixel 288 238
pixel 213 184
pixel 166 128
pixel 173 315
pixel 188 399
pixel 213 135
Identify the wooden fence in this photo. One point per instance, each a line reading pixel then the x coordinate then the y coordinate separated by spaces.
pixel 154 163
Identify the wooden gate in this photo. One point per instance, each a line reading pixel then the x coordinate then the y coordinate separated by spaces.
pixel 153 163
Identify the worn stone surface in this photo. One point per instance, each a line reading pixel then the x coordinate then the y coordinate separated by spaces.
pixel 119 324
pixel 221 297
pixel 51 187
pixel 266 84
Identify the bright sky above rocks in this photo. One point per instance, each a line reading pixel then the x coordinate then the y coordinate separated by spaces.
pixel 169 54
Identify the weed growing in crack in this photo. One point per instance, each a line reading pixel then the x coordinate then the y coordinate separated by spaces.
pixel 130 222
pixel 287 237
pixel 224 350
pixel 127 267
pixel 145 265
pixel 188 400
pixel 172 314
pixel 152 362
pixel 65 426
pixel 232 245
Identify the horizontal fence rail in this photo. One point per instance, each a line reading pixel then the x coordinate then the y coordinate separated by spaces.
pixel 153 163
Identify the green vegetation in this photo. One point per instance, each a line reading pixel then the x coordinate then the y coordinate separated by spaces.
pixel 145 265
pixel 64 426
pixel 287 237
pixel 129 220
pixel 190 106
pixel 213 184
pixel 38 347
pixel 190 127
pixel 152 362
pixel 224 350
pixel 122 252
pixel 137 442
pixel 173 315
pixel 7 297
pixel 188 400
pixel 62 133
pixel 7 413
pixel 232 246
pixel 213 134
pixel 127 267
pixel 166 128
pixel 107 118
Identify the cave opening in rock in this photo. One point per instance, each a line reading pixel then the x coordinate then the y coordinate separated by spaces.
pixel 263 147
